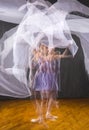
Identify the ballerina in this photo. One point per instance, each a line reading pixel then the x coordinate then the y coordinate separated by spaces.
pixel 38 86
pixel 45 82
pixel 52 81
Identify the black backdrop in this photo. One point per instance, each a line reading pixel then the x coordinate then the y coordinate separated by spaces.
pixel 74 79
pixel 86 2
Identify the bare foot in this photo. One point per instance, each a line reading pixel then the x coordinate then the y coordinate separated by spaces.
pixel 41 121
pixel 51 117
pixel 37 120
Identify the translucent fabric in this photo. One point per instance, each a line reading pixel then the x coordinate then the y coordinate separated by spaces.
pixel 39 22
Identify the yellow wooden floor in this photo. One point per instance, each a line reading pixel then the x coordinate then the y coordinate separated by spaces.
pixel 16 115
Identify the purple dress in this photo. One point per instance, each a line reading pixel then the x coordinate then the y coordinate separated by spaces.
pixel 45 77
pixel 50 76
pixel 39 82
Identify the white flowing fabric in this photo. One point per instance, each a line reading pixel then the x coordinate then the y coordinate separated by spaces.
pixel 39 22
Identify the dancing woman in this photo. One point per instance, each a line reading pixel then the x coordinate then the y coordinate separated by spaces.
pixel 38 85
pixel 51 80
pixel 45 82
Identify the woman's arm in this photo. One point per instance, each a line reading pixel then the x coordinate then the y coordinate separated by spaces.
pixel 66 56
pixel 62 56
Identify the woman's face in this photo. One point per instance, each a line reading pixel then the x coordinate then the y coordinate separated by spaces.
pixel 45 50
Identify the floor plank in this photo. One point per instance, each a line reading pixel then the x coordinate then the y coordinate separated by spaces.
pixel 73 114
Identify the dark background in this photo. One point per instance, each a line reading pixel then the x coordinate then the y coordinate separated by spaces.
pixel 86 2
pixel 74 79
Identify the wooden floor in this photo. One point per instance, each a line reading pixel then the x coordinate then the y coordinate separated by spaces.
pixel 16 115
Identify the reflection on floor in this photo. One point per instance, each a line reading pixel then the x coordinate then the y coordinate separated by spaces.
pixel 73 114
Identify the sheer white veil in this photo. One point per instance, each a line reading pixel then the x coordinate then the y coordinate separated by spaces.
pixel 40 21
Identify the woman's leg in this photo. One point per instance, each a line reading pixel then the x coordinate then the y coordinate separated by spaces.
pixel 39 108
pixel 51 101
